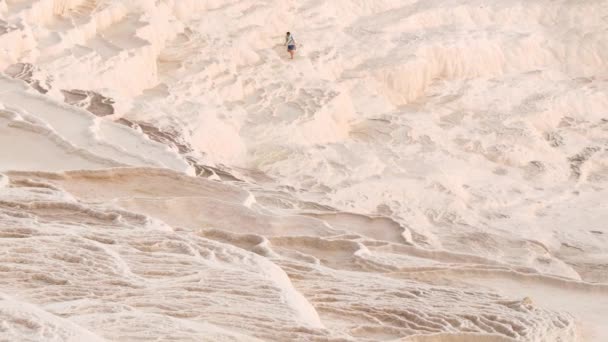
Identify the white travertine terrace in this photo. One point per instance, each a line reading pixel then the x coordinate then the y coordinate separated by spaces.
pixel 424 170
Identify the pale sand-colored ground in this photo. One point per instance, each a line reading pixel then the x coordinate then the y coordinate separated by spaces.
pixel 423 171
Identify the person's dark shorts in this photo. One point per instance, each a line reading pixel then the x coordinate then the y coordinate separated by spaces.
pixel 291 48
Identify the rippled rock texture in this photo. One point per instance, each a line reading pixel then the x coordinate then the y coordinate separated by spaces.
pixel 422 171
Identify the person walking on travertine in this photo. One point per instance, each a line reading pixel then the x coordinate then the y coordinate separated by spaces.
pixel 291 44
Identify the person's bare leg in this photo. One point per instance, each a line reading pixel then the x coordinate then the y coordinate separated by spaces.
pixel 291 52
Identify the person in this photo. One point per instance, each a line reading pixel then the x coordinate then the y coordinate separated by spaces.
pixel 291 44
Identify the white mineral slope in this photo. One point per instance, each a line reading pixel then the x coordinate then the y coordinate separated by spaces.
pixel 99 256
pixel 39 134
pixel 423 171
